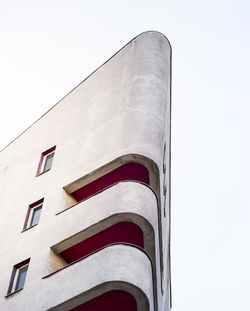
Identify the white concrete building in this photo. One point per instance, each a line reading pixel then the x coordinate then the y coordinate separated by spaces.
pixel 84 216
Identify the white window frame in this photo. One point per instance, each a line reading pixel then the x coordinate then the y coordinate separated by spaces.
pixel 44 161
pixel 32 210
pixel 43 158
pixel 30 214
pixel 17 272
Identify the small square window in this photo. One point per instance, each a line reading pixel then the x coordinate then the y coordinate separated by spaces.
pixel 33 214
pixel 18 276
pixel 46 160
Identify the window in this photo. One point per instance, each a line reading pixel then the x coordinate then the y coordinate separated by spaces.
pixel 21 276
pixel 46 160
pixel 36 215
pixel 18 276
pixel 33 214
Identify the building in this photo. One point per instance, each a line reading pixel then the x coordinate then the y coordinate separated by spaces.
pixel 85 193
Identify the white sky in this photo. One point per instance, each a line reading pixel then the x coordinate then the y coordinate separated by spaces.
pixel 48 47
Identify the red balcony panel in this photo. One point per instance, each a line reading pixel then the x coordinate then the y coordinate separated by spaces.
pixel 127 232
pixel 110 301
pixel 128 171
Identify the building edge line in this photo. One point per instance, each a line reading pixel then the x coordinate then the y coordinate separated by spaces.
pixel 148 31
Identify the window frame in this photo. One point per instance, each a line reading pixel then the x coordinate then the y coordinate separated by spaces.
pixel 15 277
pixel 41 166
pixel 30 214
pixel 33 221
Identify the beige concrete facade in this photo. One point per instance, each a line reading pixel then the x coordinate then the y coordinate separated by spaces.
pixel 119 114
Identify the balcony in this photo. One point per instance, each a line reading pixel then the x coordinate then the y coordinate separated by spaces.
pixel 126 172
pixel 116 267
pixel 126 201
pixel 121 232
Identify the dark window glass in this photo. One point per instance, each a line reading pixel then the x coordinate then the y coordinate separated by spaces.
pixel 48 161
pixel 36 215
pixel 21 278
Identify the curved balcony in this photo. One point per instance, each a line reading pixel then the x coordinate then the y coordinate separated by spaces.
pixel 123 202
pixel 128 171
pixel 116 267
pixel 123 231
pixel 87 226
pixel 127 168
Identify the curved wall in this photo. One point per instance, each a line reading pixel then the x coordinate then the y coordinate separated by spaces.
pixel 119 114
pixel 123 202
pixel 122 263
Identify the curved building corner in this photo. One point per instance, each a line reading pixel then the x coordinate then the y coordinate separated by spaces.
pixel 85 196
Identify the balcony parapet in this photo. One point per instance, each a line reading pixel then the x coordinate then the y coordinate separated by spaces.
pixel 125 201
pixel 116 264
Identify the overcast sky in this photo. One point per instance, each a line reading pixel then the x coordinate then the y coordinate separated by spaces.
pixel 48 47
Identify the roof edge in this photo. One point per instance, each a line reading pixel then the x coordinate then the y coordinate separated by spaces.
pixel 144 32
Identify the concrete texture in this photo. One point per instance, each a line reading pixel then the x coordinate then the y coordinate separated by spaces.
pixel 119 113
pixel 117 262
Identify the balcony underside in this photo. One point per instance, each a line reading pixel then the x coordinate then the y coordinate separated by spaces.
pixel 112 300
